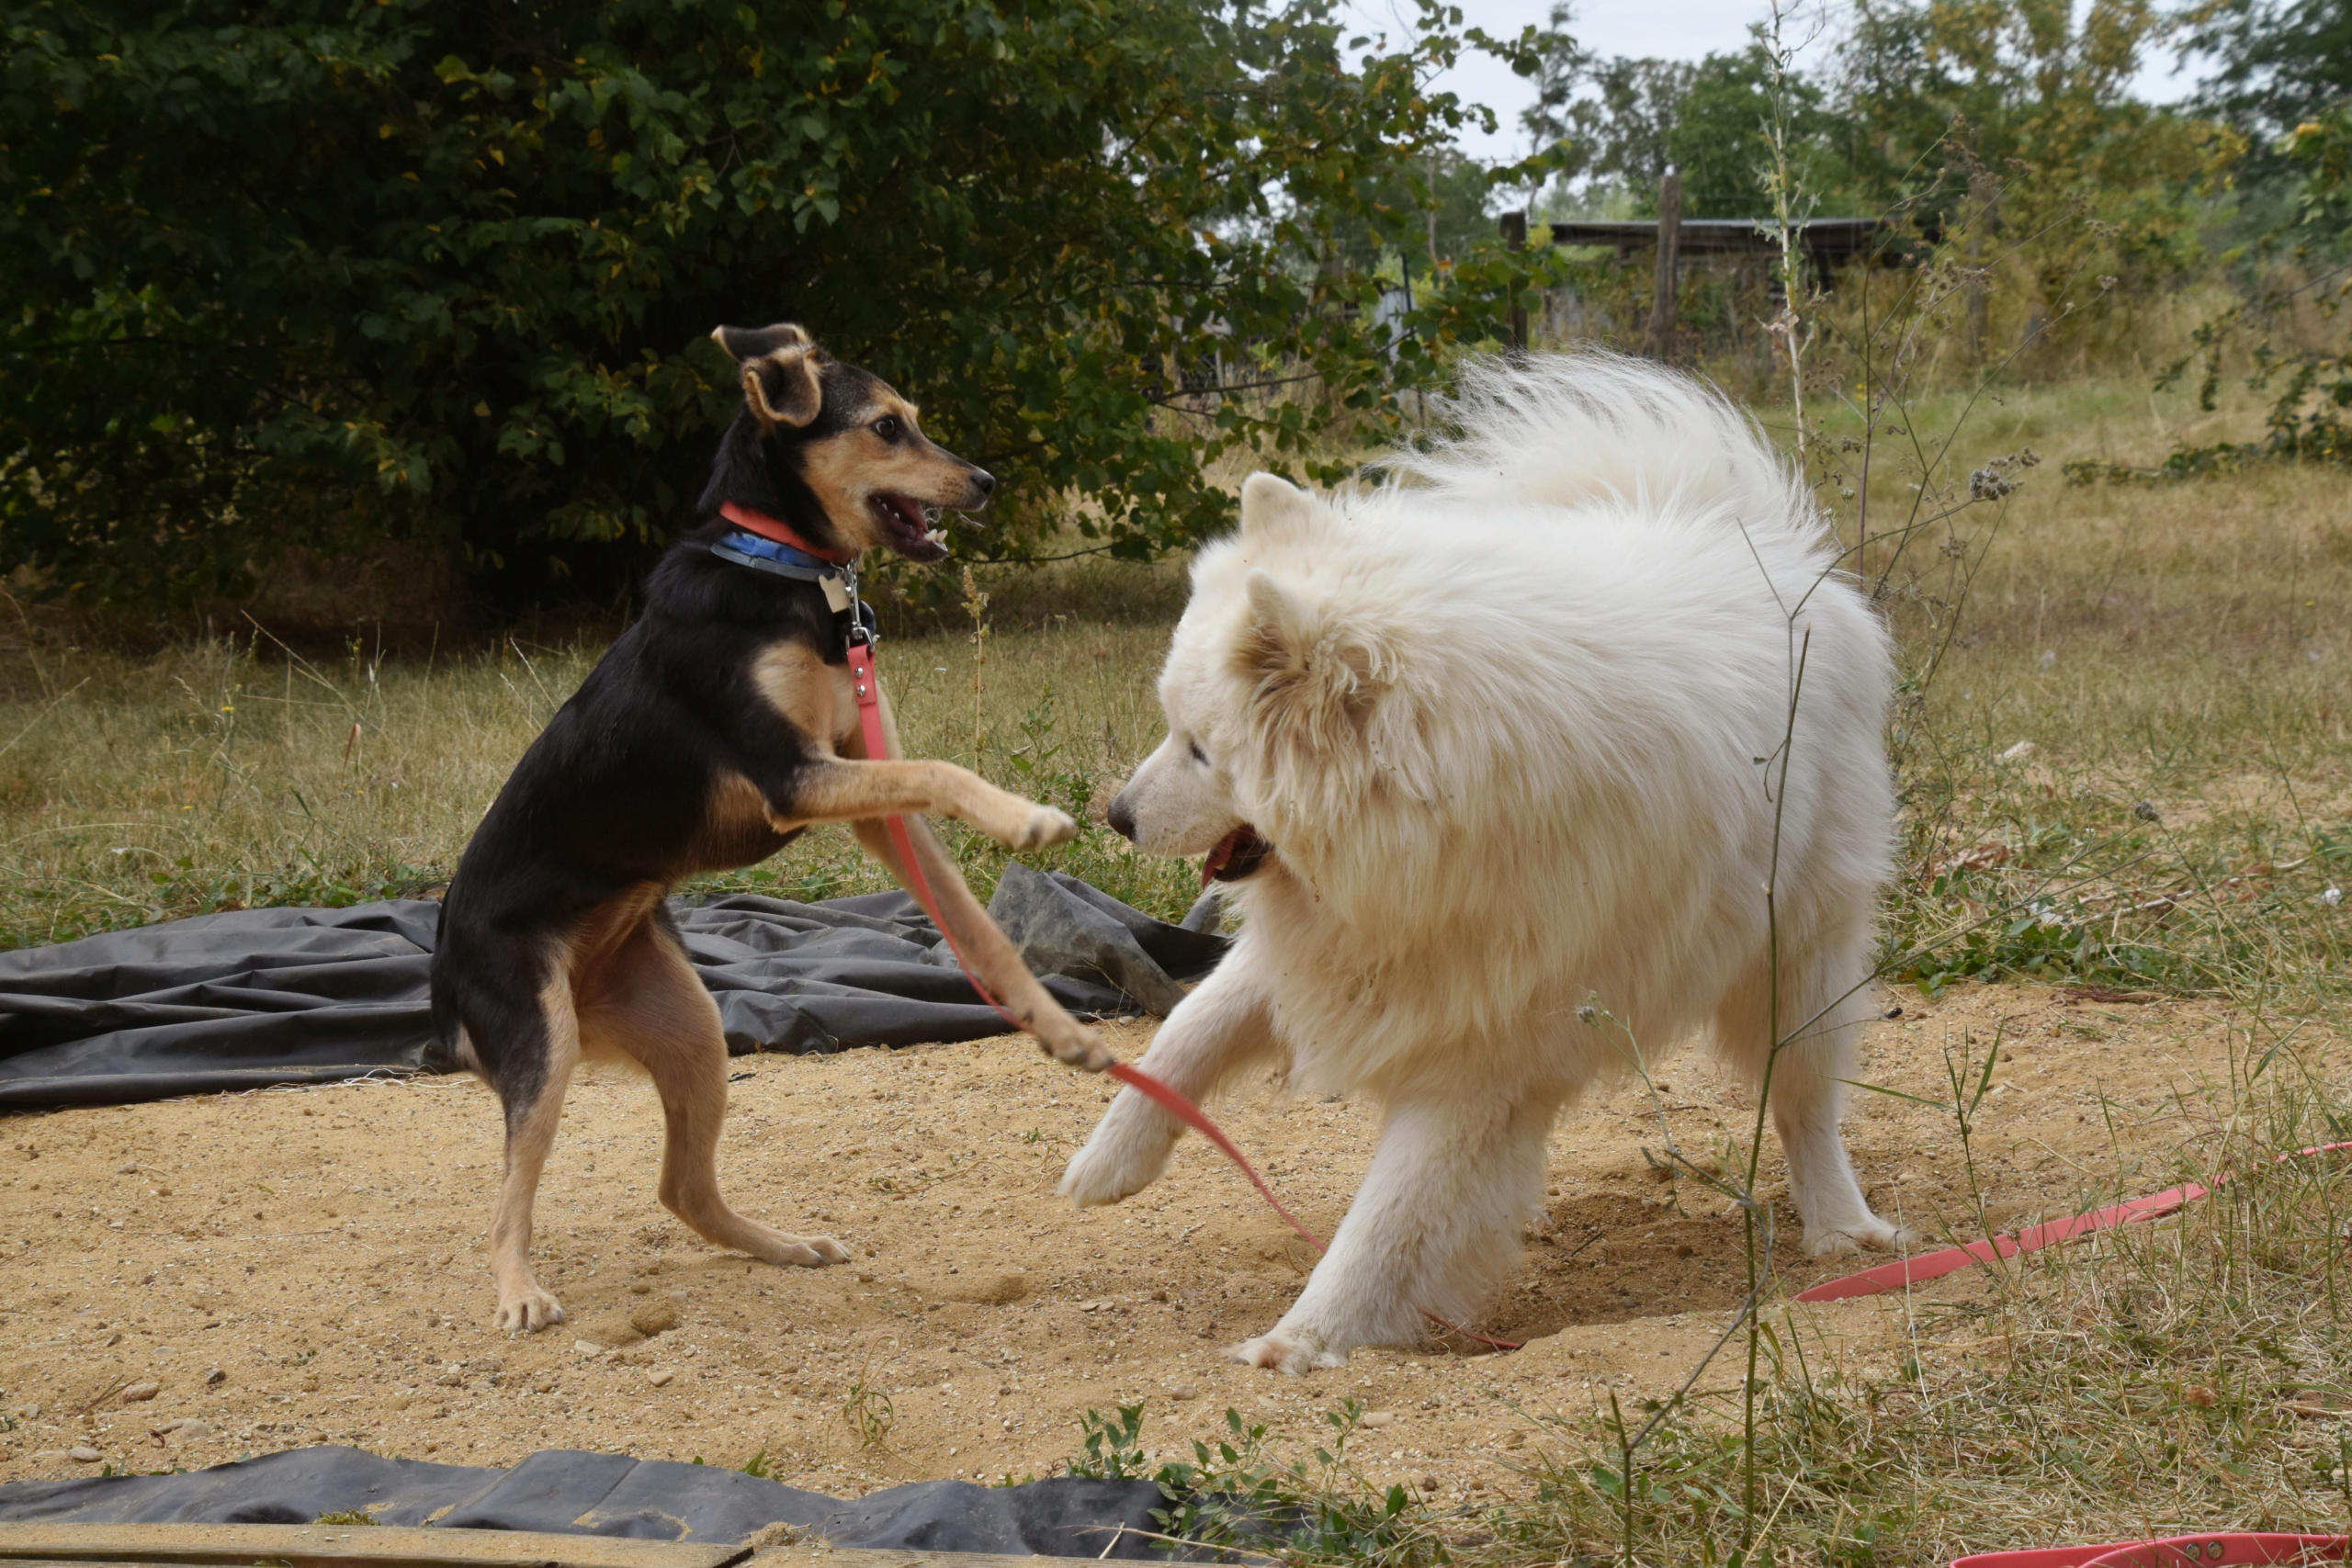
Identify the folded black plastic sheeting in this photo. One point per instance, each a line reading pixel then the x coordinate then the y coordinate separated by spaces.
pixel 572 1492
pixel 259 996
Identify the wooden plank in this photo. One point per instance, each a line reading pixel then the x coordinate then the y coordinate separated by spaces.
pixel 348 1546
pixel 394 1546
pixel 814 1554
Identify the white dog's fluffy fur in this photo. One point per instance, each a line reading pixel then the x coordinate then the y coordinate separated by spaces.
pixel 1513 725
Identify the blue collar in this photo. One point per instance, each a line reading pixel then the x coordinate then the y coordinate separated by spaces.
pixel 852 617
pixel 746 548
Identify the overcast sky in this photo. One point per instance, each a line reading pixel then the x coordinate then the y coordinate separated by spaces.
pixel 1679 29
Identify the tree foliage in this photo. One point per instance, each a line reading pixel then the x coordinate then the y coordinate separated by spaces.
pixel 2278 64
pixel 322 271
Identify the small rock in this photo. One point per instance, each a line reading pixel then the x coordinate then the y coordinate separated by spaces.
pixel 2018 752
pixel 641 1288
pixel 214 1377
pixel 141 1390
pixel 1183 1391
pixel 82 1453
pixel 1376 1419
pixel 654 1317
pixel 587 1348
pixel 543 1384
pixel 191 1431
pixel 660 1376
pixel 400 1402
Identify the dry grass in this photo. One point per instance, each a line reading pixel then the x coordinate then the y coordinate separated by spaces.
pixel 2179 659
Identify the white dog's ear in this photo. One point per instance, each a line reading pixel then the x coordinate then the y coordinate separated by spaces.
pixel 1311 674
pixel 1273 509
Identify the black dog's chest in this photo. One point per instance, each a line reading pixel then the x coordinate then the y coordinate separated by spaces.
pixel 735 828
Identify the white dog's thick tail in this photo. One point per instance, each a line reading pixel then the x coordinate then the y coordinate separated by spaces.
pixel 1565 429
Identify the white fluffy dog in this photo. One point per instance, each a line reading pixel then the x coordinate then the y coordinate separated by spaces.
pixel 1497 758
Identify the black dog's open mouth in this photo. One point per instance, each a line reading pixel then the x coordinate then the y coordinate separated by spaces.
pixel 1239 854
pixel 912 528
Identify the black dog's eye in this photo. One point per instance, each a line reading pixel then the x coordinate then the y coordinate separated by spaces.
pixel 888 428
pixel 1198 755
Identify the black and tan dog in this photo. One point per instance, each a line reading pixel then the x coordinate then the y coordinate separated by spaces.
pixel 715 730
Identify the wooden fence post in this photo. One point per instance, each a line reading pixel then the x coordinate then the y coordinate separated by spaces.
pixel 1669 240
pixel 1514 226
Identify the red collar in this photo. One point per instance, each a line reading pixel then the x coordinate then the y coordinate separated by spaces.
pixel 776 529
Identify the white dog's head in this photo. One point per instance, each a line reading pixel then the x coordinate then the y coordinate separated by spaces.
pixel 1273 689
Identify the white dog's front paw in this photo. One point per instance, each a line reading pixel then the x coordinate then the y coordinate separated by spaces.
pixel 1291 1350
pixel 525 1309
pixel 1854 1235
pixel 1117 1162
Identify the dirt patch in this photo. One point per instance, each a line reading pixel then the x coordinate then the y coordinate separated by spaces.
pixel 299 1267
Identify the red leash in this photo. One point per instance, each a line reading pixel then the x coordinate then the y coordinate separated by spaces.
pixel 1935 1265
pixel 877 744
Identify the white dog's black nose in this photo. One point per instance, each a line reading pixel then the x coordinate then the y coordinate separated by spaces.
pixel 1123 817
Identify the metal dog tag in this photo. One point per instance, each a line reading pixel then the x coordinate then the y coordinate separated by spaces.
pixel 836 594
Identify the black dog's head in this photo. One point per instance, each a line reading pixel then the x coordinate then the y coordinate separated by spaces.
pixel 834 451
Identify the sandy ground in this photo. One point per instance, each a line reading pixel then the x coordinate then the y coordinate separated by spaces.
pixel 288 1268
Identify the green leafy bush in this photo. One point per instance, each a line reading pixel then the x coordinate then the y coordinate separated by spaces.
pixel 316 271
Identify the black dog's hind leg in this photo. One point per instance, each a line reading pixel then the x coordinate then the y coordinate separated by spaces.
pixel 643 1000
pixel 528 1047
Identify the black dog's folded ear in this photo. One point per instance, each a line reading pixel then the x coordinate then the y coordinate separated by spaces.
pixel 779 366
pixel 758 342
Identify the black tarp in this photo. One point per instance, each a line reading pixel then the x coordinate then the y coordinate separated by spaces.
pixel 260 997
pixel 573 1493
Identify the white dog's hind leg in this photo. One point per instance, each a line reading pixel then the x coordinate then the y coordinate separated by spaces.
pixel 1223 1025
pixel 1434 1229
pixel 1808 1085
